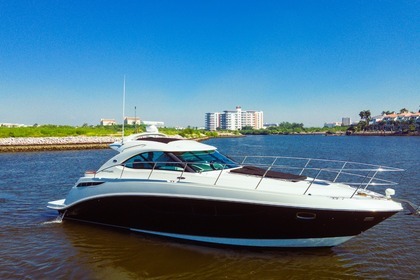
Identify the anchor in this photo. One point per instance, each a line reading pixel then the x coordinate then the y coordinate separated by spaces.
pixel 414 209
pixel 60 216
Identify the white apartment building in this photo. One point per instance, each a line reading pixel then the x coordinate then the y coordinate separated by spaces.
pixel 332 124
pixel 212 121
pixel 346 121
pixel 234 120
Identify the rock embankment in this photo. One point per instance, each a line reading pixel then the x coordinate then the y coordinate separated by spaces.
pixel 27 144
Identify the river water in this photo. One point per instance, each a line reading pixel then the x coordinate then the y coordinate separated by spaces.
pixel 33 245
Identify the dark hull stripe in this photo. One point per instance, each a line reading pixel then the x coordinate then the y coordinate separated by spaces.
pixel 222 221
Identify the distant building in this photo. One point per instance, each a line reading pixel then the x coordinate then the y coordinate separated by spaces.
pixel 254 119
pixel 393 120
pixel 155 123
pixel 346 121
pixel 131 120
pixel 212 121
pixel 231 120
pixel 106 122
pixel 266 125
pixel 377 119
pixel 234 119
pixel 332 124
pixel 13 125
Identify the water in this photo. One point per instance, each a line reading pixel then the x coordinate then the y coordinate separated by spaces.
pixel 34 245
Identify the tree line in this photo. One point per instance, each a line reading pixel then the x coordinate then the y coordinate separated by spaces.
pixel 289 128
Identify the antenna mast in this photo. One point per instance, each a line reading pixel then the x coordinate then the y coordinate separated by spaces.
pixel 123 111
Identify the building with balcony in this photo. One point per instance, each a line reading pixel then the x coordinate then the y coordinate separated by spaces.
pixel 212 121
pixel 234 119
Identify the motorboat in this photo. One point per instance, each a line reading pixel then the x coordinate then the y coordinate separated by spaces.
pixel 187 190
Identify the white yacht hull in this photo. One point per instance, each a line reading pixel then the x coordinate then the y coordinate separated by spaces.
pixel 227 217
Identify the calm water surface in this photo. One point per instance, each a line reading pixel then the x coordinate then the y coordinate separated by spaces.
pixel 34 245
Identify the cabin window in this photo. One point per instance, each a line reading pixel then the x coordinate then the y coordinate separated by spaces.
pixel 202 161
pixel 140 161
pixel 195 161
pixel 153 160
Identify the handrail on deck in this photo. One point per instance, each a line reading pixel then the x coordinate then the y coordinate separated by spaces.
pixel 346 172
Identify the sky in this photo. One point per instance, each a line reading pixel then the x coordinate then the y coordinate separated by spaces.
pixel 310 62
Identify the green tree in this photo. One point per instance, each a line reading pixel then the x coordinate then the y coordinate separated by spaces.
pixel 366 116
pixel 387 112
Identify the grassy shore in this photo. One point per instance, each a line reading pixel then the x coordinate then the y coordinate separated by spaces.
pixel 54 138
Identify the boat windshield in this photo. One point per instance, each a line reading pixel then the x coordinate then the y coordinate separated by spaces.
pixel 202 161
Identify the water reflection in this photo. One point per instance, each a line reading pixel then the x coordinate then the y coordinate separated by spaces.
pixel 34 247
pixel 109 253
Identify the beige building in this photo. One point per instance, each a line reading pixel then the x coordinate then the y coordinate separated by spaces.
pixel 106 122
pixel 131 121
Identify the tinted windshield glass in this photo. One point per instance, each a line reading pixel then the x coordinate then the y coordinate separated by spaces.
pixel 206 160
pixel 154 160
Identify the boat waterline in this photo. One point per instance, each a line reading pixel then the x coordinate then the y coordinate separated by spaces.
pixel 258 242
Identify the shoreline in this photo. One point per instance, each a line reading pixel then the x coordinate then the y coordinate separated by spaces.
pixel 35 144
pixel 383 133
pixel 51 147
pixel 42 144
pixel 39 144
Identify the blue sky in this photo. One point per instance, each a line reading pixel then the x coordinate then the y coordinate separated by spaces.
pixel 63 62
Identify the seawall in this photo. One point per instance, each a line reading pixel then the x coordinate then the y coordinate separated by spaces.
pixel 384 133
pixel 31 144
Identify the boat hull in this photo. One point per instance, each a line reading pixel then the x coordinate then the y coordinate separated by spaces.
pixel 226 222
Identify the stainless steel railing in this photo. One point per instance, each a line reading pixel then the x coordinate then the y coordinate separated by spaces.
pixel 358 175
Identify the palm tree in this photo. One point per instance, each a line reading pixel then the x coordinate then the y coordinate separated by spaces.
pixel 387 112
pixel 365 115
